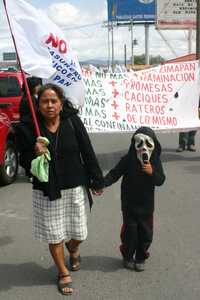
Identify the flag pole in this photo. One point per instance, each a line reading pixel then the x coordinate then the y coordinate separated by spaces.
pixel 30 103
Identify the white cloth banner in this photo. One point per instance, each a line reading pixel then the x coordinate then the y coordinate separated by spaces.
pixel 43 49
pixel 164 98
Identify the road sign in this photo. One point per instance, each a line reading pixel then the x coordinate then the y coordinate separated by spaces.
pixel 9 56
pixel 176 14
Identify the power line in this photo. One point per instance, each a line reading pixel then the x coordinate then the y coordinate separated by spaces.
pixel 82 26
pixel 167 43
pixel 164 7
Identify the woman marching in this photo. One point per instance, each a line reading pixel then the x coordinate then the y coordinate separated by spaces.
pixel 59 205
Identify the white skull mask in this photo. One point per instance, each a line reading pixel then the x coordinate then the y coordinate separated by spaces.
pixel 144 146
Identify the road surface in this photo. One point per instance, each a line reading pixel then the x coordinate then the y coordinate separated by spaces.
pixel 173 270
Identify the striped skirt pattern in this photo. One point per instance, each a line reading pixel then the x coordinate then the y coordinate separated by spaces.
pixel 62 219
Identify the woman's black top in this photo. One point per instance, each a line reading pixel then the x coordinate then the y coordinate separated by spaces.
pixel 73 161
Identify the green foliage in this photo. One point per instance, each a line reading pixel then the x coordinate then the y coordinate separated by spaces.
pixel 154 60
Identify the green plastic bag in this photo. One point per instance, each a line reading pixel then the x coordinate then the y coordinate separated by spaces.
pixel 40 165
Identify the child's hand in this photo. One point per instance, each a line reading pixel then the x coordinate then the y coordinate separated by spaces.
pixel 147 168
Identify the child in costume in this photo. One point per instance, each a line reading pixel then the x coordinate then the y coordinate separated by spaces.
pixel 141 170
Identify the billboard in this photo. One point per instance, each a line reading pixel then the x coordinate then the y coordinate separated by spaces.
pixel 136 10
pixel 176 14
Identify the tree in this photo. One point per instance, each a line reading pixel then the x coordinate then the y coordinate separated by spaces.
pixel 154 60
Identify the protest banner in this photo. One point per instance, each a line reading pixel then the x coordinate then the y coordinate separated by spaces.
pixel 43 49
pixel 165 98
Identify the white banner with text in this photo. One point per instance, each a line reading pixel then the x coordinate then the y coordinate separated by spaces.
pixel 43 49
pixel 165 98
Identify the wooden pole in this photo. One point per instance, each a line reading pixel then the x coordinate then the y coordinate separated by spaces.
pixel 198 31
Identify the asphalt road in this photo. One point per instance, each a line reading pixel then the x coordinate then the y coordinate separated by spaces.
pixel 173 270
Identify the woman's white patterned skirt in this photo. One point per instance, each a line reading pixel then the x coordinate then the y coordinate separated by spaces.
pixel 61 219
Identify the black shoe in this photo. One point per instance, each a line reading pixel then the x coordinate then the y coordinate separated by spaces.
pixel 129 264
pixel 140 266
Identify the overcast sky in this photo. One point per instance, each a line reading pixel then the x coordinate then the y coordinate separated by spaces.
pixel 82 22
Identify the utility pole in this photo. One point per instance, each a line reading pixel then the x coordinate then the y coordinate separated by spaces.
pixel 189 40
pixel 112 43
pixel 125 64
pixel 146 26
pixel 198 31
pixel 108 46
pixel 132 58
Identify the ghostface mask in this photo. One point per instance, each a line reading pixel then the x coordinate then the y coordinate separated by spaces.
pixel 144 146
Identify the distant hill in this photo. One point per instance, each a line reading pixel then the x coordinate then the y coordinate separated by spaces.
pixel 94 62
pixel 138 60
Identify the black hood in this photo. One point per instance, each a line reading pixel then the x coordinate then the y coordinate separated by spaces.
pixel 68 110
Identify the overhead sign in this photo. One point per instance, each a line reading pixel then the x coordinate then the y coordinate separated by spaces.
pixel 164 98
pixel 135 10
pixel 9 56
pixel 176 14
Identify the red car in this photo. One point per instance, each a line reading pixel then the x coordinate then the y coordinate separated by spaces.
pixel 10 97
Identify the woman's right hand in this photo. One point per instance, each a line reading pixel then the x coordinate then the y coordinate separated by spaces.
pixel 40 148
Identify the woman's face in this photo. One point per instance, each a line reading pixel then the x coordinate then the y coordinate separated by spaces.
pixel 50 104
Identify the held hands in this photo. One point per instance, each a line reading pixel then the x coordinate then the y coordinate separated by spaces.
pixel 97 192
pixel 147 168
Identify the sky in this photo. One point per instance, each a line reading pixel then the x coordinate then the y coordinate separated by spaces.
pixel 83 24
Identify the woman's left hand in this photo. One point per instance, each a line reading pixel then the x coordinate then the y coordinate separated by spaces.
pixel 97 192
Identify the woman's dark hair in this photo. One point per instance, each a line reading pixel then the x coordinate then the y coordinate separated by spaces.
pixel 50 86
pixel 59 92
pixel 32 83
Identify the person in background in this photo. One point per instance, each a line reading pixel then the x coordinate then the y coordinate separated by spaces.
pixel 186 141
pixel 59 205
pixel 34 84
pixel 141 170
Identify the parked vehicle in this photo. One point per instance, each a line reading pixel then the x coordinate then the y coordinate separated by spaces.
pixel 10 97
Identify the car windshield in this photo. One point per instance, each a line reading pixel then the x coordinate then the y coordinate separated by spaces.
pixel 9 87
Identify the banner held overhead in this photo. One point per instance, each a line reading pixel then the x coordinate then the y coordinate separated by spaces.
pixel 165 98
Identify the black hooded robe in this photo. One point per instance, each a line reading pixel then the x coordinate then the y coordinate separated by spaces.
pixel 137 197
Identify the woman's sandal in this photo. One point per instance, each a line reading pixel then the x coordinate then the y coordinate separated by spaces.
pixel 74 261
pixel 63 285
